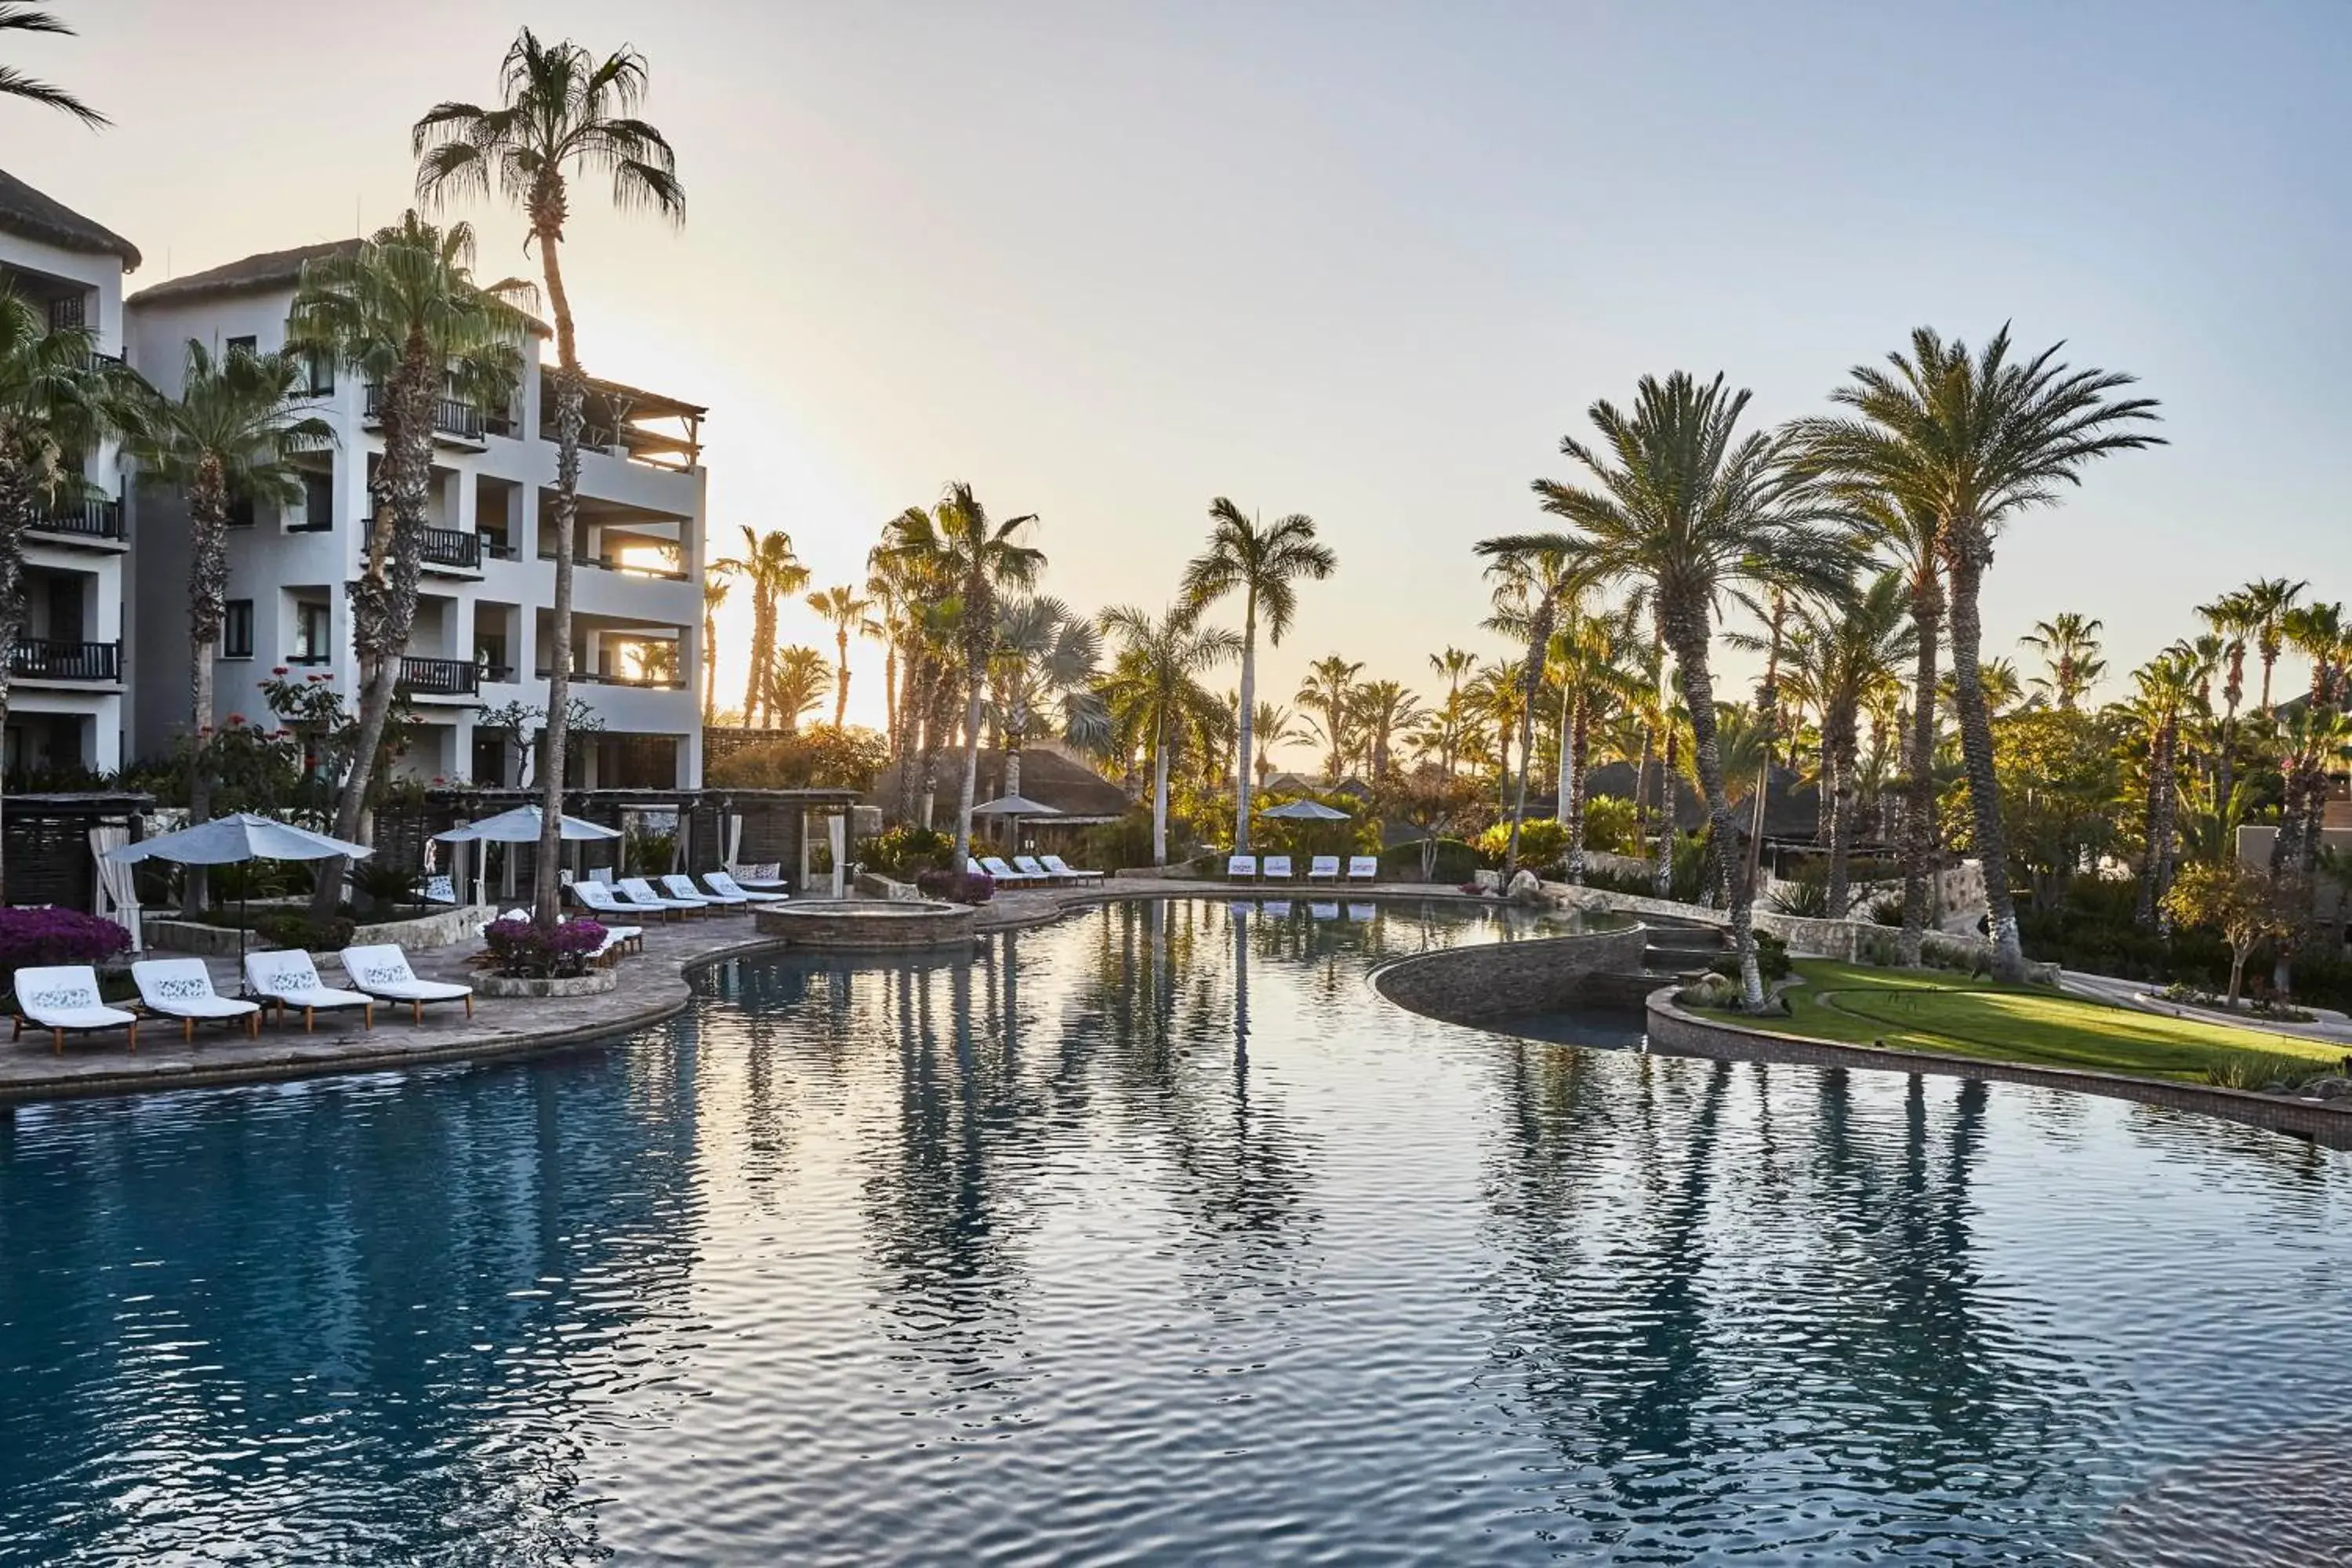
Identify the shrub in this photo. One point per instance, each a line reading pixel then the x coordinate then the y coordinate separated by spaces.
pixel 904 850
pixel 1772 959
pixel 1456 861
pixel 1542 842
pixel 30 938
pixel 380 885
pixel 1807 897
pixel 1114 845
pixel 956 887
pixel 519 948
pixel 1613 824
pixel 301 930
pixel 1887 911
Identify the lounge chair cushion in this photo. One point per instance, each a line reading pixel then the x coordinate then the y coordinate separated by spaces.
pixel 1363 867
pixel 183 988
pixel 720 882
pixel 289 977
pixel 1241 865
pixel 1323 865
pixel 64 996
pixel 1061 867
pixel 384 971
pixel 640 889
pixel 1277 868
pixel 680 887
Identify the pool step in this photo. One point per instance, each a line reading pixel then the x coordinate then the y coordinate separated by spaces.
pixel 1681 950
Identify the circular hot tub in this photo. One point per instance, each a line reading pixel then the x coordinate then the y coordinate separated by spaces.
pixel 866 925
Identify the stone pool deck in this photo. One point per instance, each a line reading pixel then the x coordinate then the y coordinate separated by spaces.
pixel 653 987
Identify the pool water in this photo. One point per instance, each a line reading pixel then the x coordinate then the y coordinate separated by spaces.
pixel 1157 1235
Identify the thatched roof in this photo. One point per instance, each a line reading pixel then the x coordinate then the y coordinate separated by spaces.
pixel 1047 777
pixel 27 212
pixel 271 270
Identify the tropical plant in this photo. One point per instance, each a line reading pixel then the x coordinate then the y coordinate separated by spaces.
pixel 1844 651
pixel 1154 690
pixel 402 309
pixel 1328 691
pixel 1380 712
pixel 794 686
pixel 1595 686
pixel 1046 670
pixel 771 573
pixel 715 589
pixel 1976 441
pixel 1273 725
pixel 1457 665
pixel 2166 686
pixel 14 83
pixel 2069 647
pixel 2245 906
pixel 562 112
pixel 2267 601
pixel 845 609
pixel 1538 576
pixel 1686 507
pixel 1264 565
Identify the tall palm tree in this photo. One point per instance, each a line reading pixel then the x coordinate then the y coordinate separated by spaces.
pixel 977 559
pixel 1540 574
pixel 887 627
pixel 13 83
pixel 1273 725
pixel 1979 441
pixel 2167 687
pixel 714 594
pixel 2267 602
pixel 402 309
pixel 1456 665
pixel 2069 646
pixel 1327 690
pixel 1383 711
pixel 1154 688
pixel 2322 634
pixel 1846 652
pixel 1588 659
pixel 1048 663
pixel 794 687
pixel 2236 621
pixel 771 573
pixel 561 112
pixel 847 611
pixel 1686 507
pixel 1265 565
pixel 56 399
pixel 233 433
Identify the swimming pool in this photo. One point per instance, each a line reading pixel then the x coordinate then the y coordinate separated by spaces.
pixel 1157 1235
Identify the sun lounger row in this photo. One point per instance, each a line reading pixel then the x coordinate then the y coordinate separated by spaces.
pixel 1030 871
pixel 677 898
pixel 1321 868
pixel 64 999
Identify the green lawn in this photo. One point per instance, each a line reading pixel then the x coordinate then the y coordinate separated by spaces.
pixel 1933 1011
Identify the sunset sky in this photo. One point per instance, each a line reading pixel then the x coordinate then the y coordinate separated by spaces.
pixel 1366 261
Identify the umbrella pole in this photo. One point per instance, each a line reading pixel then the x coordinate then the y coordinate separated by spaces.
pixel 243 887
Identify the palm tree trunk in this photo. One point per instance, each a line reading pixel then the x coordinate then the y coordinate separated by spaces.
pixel 1663 879
pixel 1159 793
pixel 841 670
pixel 1530 685
pixel 972 684
pixel 709 669
pixel 1919 785
pixel 1839 791
pixel 1688 634
pixel 207 604
pixel 570 397
pixel 16 514
pixel 1971 553
pixel 1572 748
pixel 1568 702
pixel 1245 726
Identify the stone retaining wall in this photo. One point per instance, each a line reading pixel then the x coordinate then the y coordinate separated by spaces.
pixel 1678 1032
pixel 442 928
pixel 1507 979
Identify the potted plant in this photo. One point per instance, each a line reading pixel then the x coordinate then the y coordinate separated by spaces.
pixel 524 960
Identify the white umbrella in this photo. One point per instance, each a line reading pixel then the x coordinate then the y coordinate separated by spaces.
pixel 241 836
pixel 1304 810
pixel 522 825
pixel 1014 806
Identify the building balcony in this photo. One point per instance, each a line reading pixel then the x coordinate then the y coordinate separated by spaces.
pixel 625 568
pixel 451 550
pixel 98 522
pixel 46 658
pixel 640 682
pixel 440 679
pixel 459 424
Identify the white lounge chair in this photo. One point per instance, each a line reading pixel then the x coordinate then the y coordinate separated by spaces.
pixel 601 901
pixel 1363 867
pixel 382 971
pixel 1323 869
pixel 1277 868
pixel 1241 868
pixel 641 892
pixel 1028 866
pixel 64 1000
pixel 720 882
pixel 1006 875
pixel 761 877
pixel 289 979
pixel 682 887
pixel 182 988
pixel 1069 873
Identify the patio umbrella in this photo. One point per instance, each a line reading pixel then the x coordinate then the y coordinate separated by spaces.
pixel 1011 806
pixel 520 825
pixel 1303 811
pixel 241 836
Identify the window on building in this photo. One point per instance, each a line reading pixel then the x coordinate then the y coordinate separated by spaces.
pixel 249 344
pixel 312 628
pixel 322 375
pixel 240 511
pixel 236 629
pixel 317 501
pixel 68 311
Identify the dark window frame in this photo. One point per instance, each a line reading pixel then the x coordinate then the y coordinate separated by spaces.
pixel 237 628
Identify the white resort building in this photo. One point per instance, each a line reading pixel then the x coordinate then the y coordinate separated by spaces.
pixel 67 670
pixel 484 619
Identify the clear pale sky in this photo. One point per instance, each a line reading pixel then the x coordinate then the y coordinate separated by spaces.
pixel 1367 261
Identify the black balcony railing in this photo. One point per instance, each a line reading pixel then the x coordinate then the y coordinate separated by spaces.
pixel 90 520
pixel 439 676
pixel 46 658
pixel 450 416
pixel 449 547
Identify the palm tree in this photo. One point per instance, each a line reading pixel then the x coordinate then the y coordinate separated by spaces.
pixel 794 687
pixel 714 594
pixel 1498 702
pixel 1383 711
pixel 889 628
pixel 55 398
pixel 233 433
pixel 1048 663
pixel 13 83
pixel 2321 634
pixel 977 559
pixel 1687 507
pixel 1273 725
pixel 2236 621
pixel 1456 665
pixel 1265 564
pixel 847 611
pixel 1329 691
pixel 1542 575
pixel 2267 601
pixel 2166 686
pixel 562 112
pixel 1594 685
pixel 2069 647
pixel 1154 688
pixel 1845 654
pixel 771 573
pixel 1978 441
pixel 402 309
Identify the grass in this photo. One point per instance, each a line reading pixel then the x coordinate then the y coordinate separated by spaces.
pixel 1951 1016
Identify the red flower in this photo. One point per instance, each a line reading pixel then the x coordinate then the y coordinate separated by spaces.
pixel 278 670
pixel 237 718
